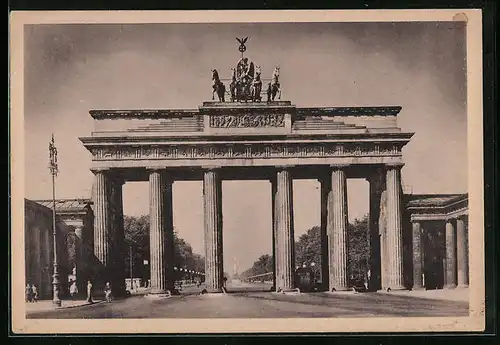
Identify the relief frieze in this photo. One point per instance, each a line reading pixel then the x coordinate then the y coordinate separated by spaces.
pixel 222 151
pixel 247 121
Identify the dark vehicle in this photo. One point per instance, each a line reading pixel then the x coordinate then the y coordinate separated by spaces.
pixel 305 279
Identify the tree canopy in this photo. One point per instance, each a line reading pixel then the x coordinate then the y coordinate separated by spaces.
pixel 137 238
pixel 308 250
pixel 264 264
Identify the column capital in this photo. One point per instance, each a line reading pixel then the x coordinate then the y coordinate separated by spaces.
pixel 339 166
pixel 212 168
pixel 158 169
pixel 450 220
pixel 389 166
pixel 284 167
pixel 100 170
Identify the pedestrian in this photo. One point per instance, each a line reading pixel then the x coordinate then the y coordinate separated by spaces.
pixel 107 291
pixel 73 289
pixel 34 292
pixel 28 293
pixel 89 292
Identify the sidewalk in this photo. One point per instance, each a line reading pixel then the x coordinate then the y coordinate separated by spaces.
pixel 43 305
pixel 457 294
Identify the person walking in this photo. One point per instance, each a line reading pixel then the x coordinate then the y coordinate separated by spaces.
pixel 28 293
pixel 107 291
pixel 34 292
pixel 73 289
pixel 89 292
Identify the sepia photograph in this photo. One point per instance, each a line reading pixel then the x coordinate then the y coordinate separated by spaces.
pixel 247 171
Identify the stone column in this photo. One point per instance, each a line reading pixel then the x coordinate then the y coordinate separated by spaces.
pixel 394 250
pixel 102 219
pixel 212 196
pixel 451 255
pixel 274 233
pixel 157 231
pixel 118 243
pixel 337 231
pixel 462 254
pixel 285 270
pixel 417 256
pixel 377 185
pixel 81 278
pixel 168 213
pixel 326 187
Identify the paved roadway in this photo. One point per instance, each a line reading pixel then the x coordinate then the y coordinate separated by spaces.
pixel 254 301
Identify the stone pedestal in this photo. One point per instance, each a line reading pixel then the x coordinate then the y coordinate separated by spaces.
pixel 451 256
pixel 285 251
pixel 394 230
pixel 462 254
pixel 417 256
pixel 157 232
pixel 337 232
pixel 212 195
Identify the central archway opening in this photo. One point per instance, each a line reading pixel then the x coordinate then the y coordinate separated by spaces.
pixel 247 235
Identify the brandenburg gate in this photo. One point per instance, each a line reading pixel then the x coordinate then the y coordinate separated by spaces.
pixel 245 137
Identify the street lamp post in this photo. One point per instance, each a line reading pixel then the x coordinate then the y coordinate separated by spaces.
pixel 54 170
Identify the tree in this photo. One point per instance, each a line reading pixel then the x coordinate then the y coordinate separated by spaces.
pixel 137 236
pixel 264 264
pixel 359 254
pixel 308 250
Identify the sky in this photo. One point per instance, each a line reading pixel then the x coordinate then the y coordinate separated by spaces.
pixel 73 68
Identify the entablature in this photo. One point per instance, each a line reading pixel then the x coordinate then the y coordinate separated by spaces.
pixel 253 118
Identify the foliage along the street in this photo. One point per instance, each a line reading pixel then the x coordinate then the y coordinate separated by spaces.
pixel 308 251
pixel 137 239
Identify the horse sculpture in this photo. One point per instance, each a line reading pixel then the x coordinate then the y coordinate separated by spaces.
pixel 233 87
pixel 217 86
pixel 256 86
pixel 273 88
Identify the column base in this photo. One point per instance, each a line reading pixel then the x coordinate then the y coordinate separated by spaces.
pixel 463 286
pixel 419 288
pixel 287 290
pixel 212 291
pixel 340 289
pixel 450 286
pixel 395 288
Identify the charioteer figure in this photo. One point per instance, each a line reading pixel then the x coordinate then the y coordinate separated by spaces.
pixel 246 82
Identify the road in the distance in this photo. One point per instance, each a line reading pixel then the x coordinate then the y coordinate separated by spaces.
pixel 242 303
